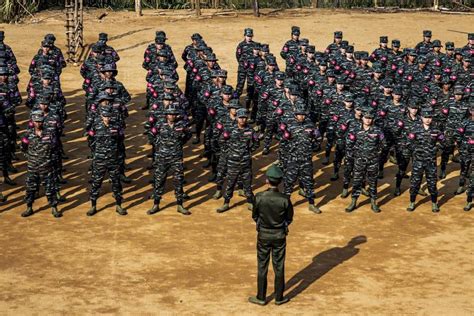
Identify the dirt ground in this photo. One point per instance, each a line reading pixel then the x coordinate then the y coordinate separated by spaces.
pixel 405 263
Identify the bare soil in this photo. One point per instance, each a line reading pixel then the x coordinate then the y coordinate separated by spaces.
pixel 411 263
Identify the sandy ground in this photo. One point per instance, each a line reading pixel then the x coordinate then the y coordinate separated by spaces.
pixel 411 263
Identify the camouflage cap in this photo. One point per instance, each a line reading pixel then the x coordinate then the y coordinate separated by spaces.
pixel 459 90
pixel 242 112
pixel 427 112
pixel 234 104
pixel 437 43
pixel 103 37
pixel 37 116
pixel 227 90
pixel 105 111
pixel 50 38
pixel 196 36
pixel 280 75
pixel 295 30
pixel 449 45
pixel 168 96
pixel 104 96
pixel 172 110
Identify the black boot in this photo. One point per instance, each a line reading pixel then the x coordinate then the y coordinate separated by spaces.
pixel 374 206
pixel 380 175
pixel 28 212
pixel 155 209
pixel 120 210
pixel 352 206
pixel 442 174
pixel 6 178
pixel 60 198
pixel 125 179
pixel 183 210
pixel 55 212
pixel 93 210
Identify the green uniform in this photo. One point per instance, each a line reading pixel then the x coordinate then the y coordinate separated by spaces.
pixel 273 212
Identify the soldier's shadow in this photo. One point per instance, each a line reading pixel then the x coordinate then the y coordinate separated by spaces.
pixel 321 264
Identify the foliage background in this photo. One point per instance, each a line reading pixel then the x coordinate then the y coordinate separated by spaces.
pixel 14 10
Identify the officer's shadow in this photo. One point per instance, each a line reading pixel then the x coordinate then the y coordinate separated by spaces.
pixel 322 263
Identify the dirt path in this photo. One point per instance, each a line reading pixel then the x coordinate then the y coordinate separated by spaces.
pixel 411 263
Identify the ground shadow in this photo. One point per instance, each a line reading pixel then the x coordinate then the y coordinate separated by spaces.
pixel 321 264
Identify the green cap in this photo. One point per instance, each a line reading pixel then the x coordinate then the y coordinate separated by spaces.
pixel 274 173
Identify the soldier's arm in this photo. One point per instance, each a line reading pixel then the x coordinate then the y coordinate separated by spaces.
pixel 32 67
pixel 284 51
pixel 289 212
pixel 255 142
pixel 238 52
pixel 256 207
pixel 24 143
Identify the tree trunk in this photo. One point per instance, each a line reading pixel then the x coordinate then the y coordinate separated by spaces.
pixel 198 7
pixel 138 7
pixel 256 10
pixel 314 4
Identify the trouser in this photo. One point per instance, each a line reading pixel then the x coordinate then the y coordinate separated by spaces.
pixel 429 169
pixel 323 125
pixel 365 167
pixel 236 170
pixel 162 166
pixel 99 168
pixel 465 161
pixel 331 138
pixel 251 101
pixel 122 154
pixel 302 170
pixel 271 242
pixel 348 171
pixel 208 153
pixel 199 117
pixel 402 160
pixel 448 149
pixel 389 144
pixel 270 130
pixel 222 172
pixel 241 77
pixel 338 157
pixel 261 115
pixel 33 180
pixel 470 188
pixel 56 157
pixel 189 86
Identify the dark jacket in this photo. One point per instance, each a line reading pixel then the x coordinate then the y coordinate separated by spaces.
pixel 272 210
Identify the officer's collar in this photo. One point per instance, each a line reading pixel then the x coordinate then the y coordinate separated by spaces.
pixel 274 189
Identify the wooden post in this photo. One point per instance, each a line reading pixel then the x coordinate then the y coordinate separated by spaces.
pixel 314 4
pixel 138 7
pixel 198 7
pixel 256 10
